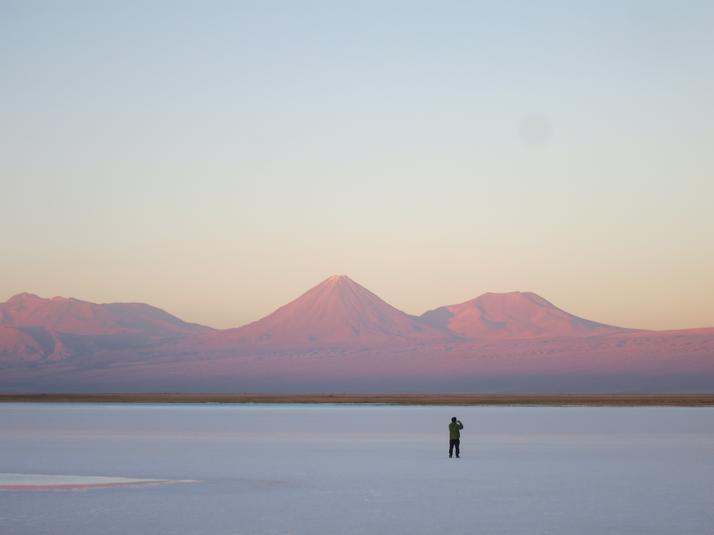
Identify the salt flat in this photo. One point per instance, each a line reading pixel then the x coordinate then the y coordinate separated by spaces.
pixel 271 469
pixel 10 482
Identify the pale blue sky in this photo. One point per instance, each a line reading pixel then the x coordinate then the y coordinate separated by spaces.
pixel 218 158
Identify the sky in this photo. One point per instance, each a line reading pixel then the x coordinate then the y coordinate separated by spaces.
pixel 217 159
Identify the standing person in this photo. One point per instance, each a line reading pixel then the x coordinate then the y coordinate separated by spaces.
pixel 455 428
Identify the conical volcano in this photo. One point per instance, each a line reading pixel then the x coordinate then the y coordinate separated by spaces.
pixel 337 312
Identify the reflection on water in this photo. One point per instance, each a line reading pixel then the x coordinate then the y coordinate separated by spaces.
pixel 358 469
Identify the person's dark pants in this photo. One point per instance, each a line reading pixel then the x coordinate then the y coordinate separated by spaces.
pixel 454 442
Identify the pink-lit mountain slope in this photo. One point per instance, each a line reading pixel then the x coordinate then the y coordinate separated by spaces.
pixel 72 316
pixel 33 328
pixel 17 345
pixel 339 336
pixel 512 315
pixel 337 312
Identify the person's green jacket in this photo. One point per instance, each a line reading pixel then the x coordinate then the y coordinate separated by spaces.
pixel 455 430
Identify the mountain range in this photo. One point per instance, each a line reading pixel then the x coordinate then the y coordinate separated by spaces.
pixel 340 337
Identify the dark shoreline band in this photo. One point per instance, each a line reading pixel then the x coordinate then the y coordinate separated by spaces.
pixel 683 400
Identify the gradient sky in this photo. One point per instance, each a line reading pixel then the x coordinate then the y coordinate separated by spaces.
pixel 217 159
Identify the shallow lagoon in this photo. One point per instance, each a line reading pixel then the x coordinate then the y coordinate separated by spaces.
pixel 267 469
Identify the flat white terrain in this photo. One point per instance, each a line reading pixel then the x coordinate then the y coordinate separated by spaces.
pixel 267 469
pixel 65 482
